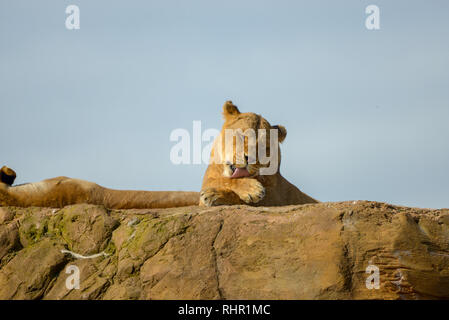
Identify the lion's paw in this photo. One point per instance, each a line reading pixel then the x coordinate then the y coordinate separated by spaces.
pixel 209 197
pixel 252 192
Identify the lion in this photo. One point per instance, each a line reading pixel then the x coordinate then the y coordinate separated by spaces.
pixel 62 191
pixel 226 181
pixel 229 182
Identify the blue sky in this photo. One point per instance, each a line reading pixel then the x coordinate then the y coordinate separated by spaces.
pixel 366 111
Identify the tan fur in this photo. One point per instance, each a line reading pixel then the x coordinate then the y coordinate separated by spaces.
pixel 256 190
pixel 218 188
pixel 62 191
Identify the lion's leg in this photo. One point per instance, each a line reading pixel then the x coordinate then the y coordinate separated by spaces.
pixel 215 197
pixel 250 190
pixel 232 191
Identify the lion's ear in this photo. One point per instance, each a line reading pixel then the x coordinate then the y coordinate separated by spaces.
pixel 7 175
pixel 230 110
pixel 282 132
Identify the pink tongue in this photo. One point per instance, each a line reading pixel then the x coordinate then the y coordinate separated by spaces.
pixel 240 172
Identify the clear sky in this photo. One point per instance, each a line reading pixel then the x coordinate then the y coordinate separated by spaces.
pixel 367 111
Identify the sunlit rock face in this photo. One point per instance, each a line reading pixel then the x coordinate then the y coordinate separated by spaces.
pixel 347 250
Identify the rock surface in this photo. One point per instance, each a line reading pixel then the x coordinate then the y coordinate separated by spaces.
pixel 319 251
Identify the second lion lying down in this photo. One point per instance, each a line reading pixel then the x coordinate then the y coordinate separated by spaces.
pixel 235 179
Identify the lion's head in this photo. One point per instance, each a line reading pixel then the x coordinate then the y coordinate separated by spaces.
pixel 248 145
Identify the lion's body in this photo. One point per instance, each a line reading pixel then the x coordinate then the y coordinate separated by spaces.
pixel 62 191
pixel 218 188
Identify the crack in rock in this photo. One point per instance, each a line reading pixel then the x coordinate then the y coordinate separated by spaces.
pixel 214 256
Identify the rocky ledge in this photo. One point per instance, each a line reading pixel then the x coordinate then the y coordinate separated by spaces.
pixel 345 250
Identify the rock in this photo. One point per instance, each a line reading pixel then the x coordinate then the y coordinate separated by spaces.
pixel 86 228
pixel 95 277
pixel 6 215
pixel 30 273
pixel 314 251
pixel 9 239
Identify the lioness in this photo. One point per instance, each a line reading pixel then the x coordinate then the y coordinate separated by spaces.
pixel 229 181
pixel 225 182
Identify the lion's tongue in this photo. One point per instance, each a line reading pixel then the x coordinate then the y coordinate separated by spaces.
pixel 240 172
